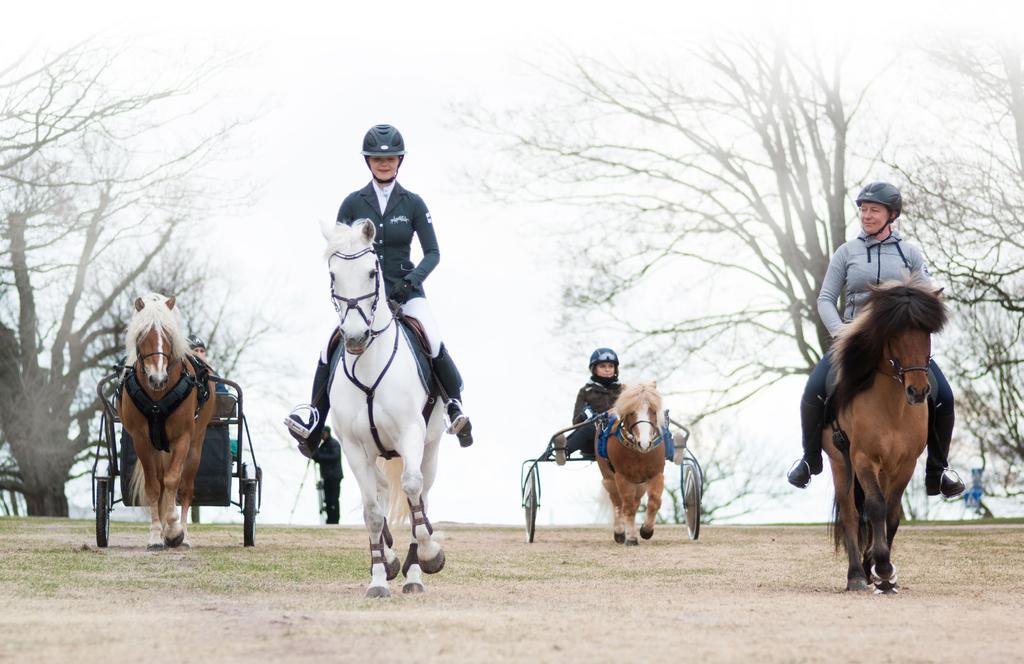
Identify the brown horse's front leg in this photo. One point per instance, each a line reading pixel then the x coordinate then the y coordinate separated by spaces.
pixel 187 489
pixel 655 489
pixel 848 518
pixel 152 488
pixel 630 503
pixel 172 531
pixel 608 482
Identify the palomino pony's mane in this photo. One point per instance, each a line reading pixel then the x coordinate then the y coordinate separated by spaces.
pixel 892 308
pixel 633 395
pixel 345 239
pixel 154 314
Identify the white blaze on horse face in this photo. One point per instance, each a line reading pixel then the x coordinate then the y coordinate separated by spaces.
pixel 351 280
pixel 643 426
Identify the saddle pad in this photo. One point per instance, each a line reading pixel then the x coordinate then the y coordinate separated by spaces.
pixel 422 358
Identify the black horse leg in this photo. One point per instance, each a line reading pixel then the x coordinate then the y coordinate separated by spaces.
pixel 875 508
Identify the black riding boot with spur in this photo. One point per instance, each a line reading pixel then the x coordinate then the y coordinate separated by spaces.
pixel 811 417
pixel 450 382
pixel 939 478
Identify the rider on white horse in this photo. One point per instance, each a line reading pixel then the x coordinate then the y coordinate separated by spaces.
pixel 398 215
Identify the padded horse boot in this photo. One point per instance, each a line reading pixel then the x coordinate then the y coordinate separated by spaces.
pixel 811 417
pixel 306 422
pixel 447 375
pixel 939 478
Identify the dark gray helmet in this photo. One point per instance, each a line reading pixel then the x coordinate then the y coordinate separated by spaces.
pixel 882 193
pixel 383 140
pixel 604 355
pixel 196 341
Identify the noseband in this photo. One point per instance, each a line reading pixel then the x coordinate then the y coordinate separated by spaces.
pixel 351 303
pixel 901 372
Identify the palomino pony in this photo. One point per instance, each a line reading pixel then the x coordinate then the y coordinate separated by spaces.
pixel 636 461
pixel 167 466
pixel 881 360
pixel 382 409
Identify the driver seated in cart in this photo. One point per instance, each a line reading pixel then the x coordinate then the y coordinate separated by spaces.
pixel 598 395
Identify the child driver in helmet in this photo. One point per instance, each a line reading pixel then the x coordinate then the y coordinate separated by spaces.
pixel 596 396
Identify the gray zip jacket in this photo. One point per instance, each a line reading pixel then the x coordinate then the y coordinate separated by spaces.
pixel 860 263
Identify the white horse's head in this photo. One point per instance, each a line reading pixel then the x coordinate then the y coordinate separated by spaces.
pixel 639 407
pixel 154 337
pixel 357 286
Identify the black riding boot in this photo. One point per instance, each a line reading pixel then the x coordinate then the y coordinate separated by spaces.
pixel 938 478
pixel 450 382
pixel 308 429
pixel 812 415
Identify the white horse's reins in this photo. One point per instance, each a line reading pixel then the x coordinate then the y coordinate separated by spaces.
pixel 353 303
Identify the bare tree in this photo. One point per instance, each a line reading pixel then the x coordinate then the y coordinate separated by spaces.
pixel 734 179
pixel 969 205
pixel 96 185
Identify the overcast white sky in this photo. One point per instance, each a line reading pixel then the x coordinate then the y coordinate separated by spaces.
pixel 323 77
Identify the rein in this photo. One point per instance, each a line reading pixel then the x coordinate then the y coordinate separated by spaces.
pixel 353 303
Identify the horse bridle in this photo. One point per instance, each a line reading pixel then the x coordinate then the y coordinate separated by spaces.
pixel 353 302
pixel 627 436
pixel 901 371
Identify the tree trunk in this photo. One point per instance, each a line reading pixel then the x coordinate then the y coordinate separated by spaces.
pixel 47 501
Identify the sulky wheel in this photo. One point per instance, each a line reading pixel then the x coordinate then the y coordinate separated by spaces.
pixel 102 512
pixel 692 490
pixel 249 514
pixel 530 501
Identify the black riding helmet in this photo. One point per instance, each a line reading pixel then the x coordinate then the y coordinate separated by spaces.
pixel 195 341
pixel 604 355
pixel 383 140
pixel 882 193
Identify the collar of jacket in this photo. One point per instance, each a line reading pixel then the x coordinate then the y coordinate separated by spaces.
pixel 871 242
pixel 370 194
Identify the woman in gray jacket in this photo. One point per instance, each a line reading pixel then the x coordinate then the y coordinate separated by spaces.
pixel 877 254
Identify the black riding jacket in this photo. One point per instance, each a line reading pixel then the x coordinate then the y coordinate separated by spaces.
pixel 406 214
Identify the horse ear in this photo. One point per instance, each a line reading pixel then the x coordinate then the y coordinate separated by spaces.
pixel 327 228
pixel 368 231
pixel 170 302
pixel 139 304
pixel 938 293
pixel 654 384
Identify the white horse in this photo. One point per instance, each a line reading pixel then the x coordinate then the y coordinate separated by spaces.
pixel 377 404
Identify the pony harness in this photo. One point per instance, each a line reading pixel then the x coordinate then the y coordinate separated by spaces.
pixel 157 412
pixel 613 427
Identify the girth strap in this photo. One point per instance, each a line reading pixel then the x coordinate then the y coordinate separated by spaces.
pixel 157 412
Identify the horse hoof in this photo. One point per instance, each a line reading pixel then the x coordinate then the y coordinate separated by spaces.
pixel 857 585
pixel 412 588
pixel 155 547
pixel 646 533
pixel 378 591
pixel 433 566
pixel 620 538
pixel 632 541
pixel 176 540
pixel 393 568
pixel 887 588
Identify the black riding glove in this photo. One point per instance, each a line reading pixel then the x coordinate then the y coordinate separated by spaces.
pixel 403 292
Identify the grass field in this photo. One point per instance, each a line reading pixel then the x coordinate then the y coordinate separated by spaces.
pixel 767 593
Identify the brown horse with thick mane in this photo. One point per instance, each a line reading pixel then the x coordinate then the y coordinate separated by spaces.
pixel 167 466
pixel 636 461
pixel 881 361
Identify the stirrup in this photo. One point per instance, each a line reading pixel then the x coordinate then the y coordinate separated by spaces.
pixel 297 424
pixel 799 481
pixel 460 421
pixel 956 485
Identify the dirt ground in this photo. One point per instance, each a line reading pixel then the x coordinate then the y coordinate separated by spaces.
pixel 738 594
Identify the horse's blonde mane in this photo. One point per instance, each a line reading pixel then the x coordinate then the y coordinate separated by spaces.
pixel 633 395
pixel 345 239
pixel 153 314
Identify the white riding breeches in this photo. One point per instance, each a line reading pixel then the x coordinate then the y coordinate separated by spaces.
pixel 418 308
